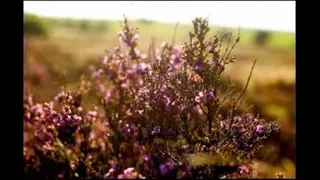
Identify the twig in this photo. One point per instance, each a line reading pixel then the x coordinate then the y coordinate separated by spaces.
pixel 174 159
pixel 174 34
pixel 234 44
pixel 227 48
pixel 246 86
pixel 228 92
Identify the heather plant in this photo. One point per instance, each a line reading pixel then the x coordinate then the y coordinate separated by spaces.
pixel 163 114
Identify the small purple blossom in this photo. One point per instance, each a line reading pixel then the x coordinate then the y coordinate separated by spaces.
pixel 127 129
pixel 98 74
pixel 146 158
pixel 199 67
pixel 128 170
pixel 92 113
pixel 163 169
pixel 235 142
pixel 60 176
pixel 136 37
pixel 214 61
pixel 129 173
pixel 163 44
pixel 244 169
pixel 249 117
pixel 199 97
pixel 210 95
pixel 156 130
pixel 170 164
pixel 143 56
pixel 260 129
pixel 105 60
pixel 120 176
pixel 139 69
pixel 166 100
pixel 144 90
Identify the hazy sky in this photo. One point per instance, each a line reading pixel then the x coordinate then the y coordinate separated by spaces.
pixel 272 15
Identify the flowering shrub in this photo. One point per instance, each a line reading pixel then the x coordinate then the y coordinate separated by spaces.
pixel 163 114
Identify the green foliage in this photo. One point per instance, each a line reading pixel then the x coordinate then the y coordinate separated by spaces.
pixel 262 38
pixel 34 26
pixel 84 25
pixel 146 21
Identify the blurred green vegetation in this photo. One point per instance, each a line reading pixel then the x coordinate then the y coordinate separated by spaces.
pixel 74 44
pixel 275 39
pixel 34 26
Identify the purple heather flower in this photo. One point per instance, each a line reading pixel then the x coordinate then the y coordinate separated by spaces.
pixel 199 97
pixel 248 117
pixel 105 60
pixel 163 169
pixel 120 176
pixel 128 170
pixel 214 61
pixel 137 52
pixel 188 168
pixel 170 164
pixel 260 129
pixel 37 134
pixel 128 173
pixel 234 141
pixel 144 90
pixel 130 73
pixel 199 67
pixel 175 59
pixel 60 176
pixel 146 158
pixel 92 113
pixel 139 69
pixel 136 36
pixel 123 85
pixel 121 34
pixel 244 169
pixel 166 100
pixel 156 130
pixel 143 56
pixel 97 74
pixel 123 38
pixel 236 119
pixel 126 129
pixel 163 44
pixel 111 170
pixel 210 95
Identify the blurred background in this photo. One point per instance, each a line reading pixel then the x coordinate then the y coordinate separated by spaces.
pixel 61 40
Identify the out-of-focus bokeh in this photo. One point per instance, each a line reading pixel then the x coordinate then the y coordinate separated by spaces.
pixel 60 46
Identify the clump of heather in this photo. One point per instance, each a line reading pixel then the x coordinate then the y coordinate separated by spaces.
pixel 163 114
